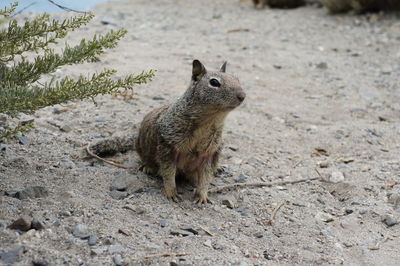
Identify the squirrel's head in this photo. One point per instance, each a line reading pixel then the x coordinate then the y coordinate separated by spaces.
pixel 215 89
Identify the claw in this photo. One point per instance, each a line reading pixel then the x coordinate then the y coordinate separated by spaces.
pixel 201 198
pixel 172 195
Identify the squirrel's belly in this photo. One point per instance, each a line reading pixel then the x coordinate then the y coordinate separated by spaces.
pixel 189 162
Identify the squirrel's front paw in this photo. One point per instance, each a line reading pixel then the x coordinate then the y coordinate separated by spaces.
pixel 171 194
pixel 200 197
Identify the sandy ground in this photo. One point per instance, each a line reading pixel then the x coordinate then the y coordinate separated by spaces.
pixel 322 97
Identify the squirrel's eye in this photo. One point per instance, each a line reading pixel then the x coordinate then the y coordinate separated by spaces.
pixel 215 83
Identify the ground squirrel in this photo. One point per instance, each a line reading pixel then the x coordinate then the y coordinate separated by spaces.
pixel 184 138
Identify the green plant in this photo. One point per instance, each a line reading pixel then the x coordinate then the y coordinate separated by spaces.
pixel 20 89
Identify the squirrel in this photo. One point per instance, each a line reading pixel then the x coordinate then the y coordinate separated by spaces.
pixel 184 137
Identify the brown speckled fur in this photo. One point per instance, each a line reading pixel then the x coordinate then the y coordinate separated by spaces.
pixel 185 137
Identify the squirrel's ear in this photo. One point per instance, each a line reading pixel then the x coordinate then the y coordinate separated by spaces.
pixel 223 67
pixel 198 70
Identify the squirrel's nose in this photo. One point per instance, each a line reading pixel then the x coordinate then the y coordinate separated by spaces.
pixel 241 96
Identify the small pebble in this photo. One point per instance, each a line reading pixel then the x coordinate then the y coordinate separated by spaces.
pixel 56 223
pixel 29 193
pixel 324 164
pixel 81 231
pixel 208 243
pixel 259 234
pixel 163 223
pixel 178 232
pixel 124 232
pixel 233 148
pixel 66 128
pixel 336 177
pixel 36 224
pixel 23 140
pixel 116 248
pixel 118 195
pixel 394 199
pixel 12 256
pixel 92 240
pixel 389 220
pixel 322 65
pixel 22 224
pixel 122 182
pixel 96 251
pixel 229 201
pixel 117 260
pixel 325 217
pixel 241 179
pixel 40 263
pixel 190 229
pixel 158 98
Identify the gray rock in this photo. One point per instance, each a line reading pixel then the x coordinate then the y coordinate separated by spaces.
pixel 122 182
pixel 190 228
pixel 163 223
pixel 30 193
pixel 102 120
pixel 56 223
pixel 259 234
pixel 124 232
pixel 178 232
pixel 117 260
pixel 322 65
pixel 80 231
pixel 118 195
pixel 92 240
pixel 2 225
pixel 23 224
pixel 97 251
pixel 217 246
pixel 394 199
pixel 5 148
pixel 12 256
pixel 16 162
pixel 336 177
pixel 40 263
pixel 64 213
pixel 208 243
pixel 36 224
pixel 241 179
pixel 66 128
pixel 389 220
pixel 158 98
pixel 229 201
pixel 23 140
pixel 233 148
pixel 117 248
pixel 325 217
pixel 323 164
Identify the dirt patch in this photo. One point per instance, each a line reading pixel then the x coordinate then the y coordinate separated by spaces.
pixel 322 93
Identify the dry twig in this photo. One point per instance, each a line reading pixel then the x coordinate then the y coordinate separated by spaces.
pixel 377 245
pixel 66 8
pixel 207 231
pixel 316 170
pixel 238 30
pixel 260 184
pixel 104 160
pixel 271 220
